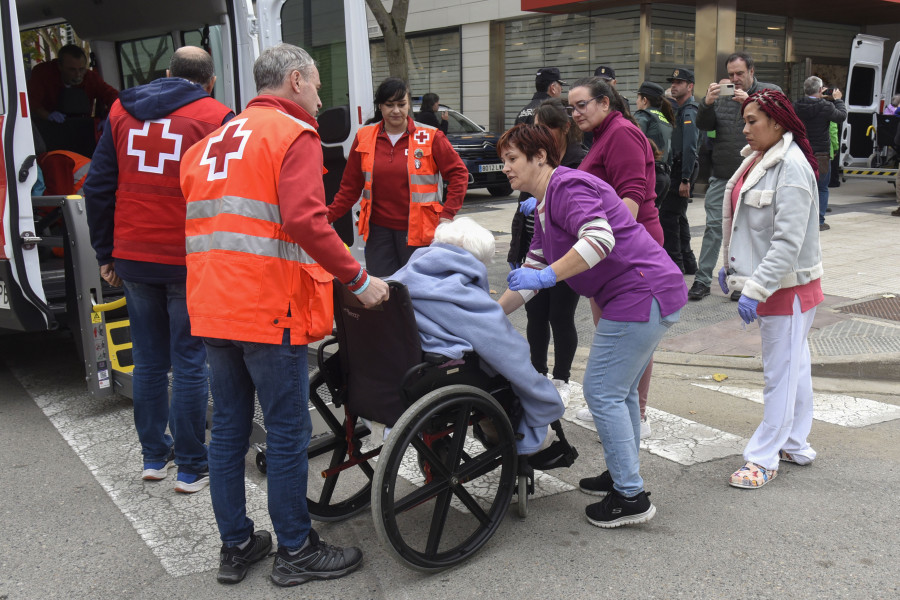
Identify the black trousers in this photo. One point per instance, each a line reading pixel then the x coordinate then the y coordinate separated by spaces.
pixel 553 309
pixel 676 229
pixel 386 250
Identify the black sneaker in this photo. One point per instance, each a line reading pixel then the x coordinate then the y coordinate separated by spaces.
pixel 316 560
pixel 698 291
pixel 234 562
pixel 597 486
pixel 615 510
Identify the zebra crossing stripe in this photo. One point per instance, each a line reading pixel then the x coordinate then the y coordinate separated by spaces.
pixel 674 438
pixel 837 409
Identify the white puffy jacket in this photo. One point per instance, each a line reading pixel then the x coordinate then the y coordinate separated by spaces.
pixel 772 239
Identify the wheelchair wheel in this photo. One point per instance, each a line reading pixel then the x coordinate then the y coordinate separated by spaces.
pixel 523 496
pixel 438 517
pixel 334 495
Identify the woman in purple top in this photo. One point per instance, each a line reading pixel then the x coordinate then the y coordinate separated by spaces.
pixel 584 234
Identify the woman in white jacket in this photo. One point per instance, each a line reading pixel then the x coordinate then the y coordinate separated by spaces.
pixel 771 253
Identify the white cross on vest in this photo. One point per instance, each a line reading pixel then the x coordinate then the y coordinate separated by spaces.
pixel 422 136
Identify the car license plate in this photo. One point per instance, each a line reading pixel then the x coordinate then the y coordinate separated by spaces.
pixel 490 168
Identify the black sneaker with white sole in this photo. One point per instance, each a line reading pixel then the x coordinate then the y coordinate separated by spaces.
pixel 615 510
pixel 316 560
pixel 234 562
pixel 597 486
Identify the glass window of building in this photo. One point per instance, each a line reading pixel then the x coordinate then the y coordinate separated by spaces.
pixel 763 37
pixel 435 64
pixel 672 34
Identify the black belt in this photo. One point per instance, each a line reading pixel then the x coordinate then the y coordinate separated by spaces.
pixel 661 166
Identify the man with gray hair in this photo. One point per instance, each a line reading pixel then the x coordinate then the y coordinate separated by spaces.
pixel 261 260
pixel 818 109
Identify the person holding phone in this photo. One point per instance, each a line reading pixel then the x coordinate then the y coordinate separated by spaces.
pixel 721 114
pixel 428 113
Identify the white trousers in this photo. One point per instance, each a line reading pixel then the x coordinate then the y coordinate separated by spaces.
pixel 788 395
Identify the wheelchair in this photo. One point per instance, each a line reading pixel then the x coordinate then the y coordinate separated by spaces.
pixel 442 480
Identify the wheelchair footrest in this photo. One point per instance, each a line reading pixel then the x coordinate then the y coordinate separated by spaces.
pixel 559 454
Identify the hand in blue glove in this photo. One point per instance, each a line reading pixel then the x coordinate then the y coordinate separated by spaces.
pixel 56 117
pixel 514 265
pixel 747 309
pixel 531 279
pixel 722 283
pixel 527 206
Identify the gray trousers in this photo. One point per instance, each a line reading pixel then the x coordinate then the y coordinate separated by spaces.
pixel 712 236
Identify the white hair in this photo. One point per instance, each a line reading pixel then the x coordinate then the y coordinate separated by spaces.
pixel 465 233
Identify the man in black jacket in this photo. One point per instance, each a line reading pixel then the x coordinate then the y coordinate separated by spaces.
pixel 818 108
pixel 548 84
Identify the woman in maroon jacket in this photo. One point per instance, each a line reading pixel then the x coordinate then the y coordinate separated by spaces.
pixel 391 217
pixel 622 157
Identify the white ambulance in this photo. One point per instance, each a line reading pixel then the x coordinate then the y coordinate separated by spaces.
pixel 131 42
pixel 868 135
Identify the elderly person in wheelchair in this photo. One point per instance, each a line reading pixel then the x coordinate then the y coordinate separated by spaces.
pixel 448 285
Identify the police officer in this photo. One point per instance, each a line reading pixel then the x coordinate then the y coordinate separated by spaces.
pixel 673 209
pixel 548 84
pixel 655 117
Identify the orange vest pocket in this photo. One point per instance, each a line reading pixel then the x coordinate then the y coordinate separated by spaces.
pixel 423 220
pixel 316 285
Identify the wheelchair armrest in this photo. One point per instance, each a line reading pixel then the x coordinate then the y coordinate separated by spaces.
pixel 433 358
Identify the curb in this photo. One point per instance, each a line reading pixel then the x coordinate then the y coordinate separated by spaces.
pixel 858 366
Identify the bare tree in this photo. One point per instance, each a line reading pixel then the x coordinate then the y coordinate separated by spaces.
pixel 393 27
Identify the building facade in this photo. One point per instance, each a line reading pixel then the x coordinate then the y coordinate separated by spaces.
pixel 480 56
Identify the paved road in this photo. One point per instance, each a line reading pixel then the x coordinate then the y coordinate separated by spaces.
pixel 76 522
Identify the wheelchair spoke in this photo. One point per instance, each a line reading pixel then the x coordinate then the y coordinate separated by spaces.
pixel 420 495
pixel 438 520
pixel 331 481
pixel 483 463
pixel 473 506
pixel 459 434
pixel 437 465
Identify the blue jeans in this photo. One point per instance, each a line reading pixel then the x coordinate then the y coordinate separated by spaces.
pixel 279 375
pixel 161 338
pixel 822 182
pixel 620 352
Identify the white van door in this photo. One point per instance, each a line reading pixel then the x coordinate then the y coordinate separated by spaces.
pixel 863 97
pixel 22 301
pixel 891 85
pixel 336 36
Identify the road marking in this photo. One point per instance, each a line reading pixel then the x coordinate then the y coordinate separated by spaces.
pixel 674 438
pixel 180 529
pixel 838 409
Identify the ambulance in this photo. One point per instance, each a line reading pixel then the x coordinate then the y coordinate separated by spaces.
pixel 49 278
pixel 867 139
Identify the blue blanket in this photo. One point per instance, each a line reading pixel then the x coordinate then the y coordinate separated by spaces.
pixel 455 313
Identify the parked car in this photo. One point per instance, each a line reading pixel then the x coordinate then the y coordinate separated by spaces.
pixel 478 149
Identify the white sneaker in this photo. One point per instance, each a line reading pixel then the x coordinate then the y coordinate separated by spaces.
pixel 563 388
pixel 645 428
pixel 584 414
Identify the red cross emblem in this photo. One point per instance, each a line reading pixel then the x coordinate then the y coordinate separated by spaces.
pixel 228 145
pixel 422 136
pixel 154 145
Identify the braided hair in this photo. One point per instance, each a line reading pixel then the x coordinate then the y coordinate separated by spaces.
pixel 777 106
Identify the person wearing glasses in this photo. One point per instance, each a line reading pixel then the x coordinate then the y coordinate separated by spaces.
pixel 586 236
pixel 622 157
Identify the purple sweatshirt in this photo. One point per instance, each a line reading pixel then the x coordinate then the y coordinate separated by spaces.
pixel 621 156
pixel 636 271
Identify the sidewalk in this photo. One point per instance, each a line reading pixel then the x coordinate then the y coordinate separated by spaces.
pixel 856 332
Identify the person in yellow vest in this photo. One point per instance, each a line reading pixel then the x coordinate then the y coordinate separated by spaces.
pixel 396 164
pixel 260 263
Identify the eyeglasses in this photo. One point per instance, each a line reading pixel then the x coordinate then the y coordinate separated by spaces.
pixel 579 107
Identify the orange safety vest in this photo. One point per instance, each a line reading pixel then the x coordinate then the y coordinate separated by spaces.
pixel 424 182
pixel 247 280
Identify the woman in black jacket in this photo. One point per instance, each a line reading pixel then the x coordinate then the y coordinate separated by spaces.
pixel 427 115
pixel 552 308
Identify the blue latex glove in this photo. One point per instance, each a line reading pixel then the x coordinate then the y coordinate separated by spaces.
pixel 722 283
pixel 527 206
pixel 747 309
pixel 56 117
pixel 531 279
pixel 513 266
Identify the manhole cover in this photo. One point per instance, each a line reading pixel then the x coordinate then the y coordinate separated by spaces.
pixel 882 308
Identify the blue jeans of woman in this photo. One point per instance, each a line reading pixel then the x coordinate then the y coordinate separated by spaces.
pixel 620 352
pixel 161 338
pixel 278 373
